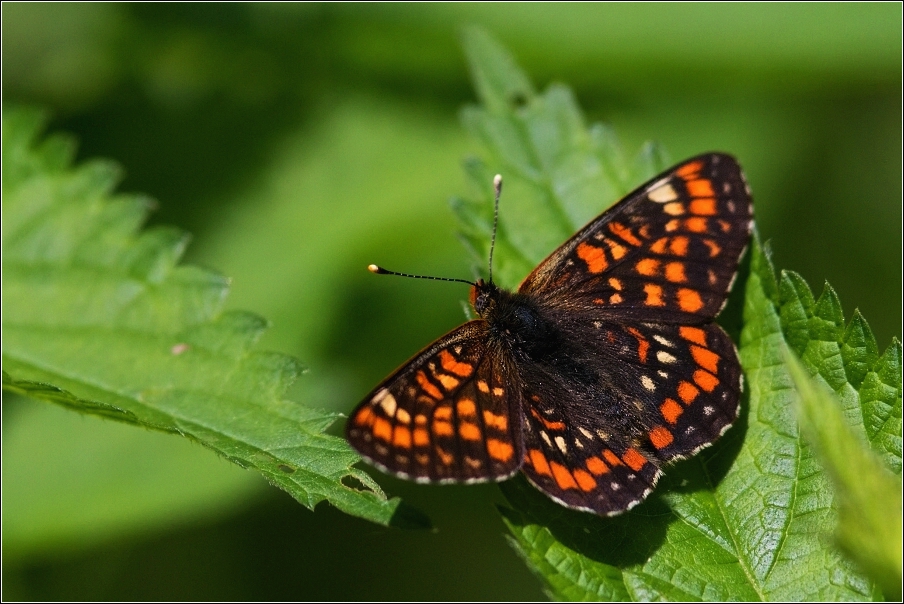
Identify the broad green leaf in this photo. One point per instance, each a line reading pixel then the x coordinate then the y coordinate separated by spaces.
pixel 557 174
pixel 868 495
pixel 747 519
pixel 98 316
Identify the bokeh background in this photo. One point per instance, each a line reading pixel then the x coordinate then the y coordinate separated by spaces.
pixel 300 142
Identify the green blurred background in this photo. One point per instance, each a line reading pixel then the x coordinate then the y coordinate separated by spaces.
pixel 298 143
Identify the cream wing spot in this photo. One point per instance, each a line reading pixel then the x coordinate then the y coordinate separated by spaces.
pixel 560 443
pixel 386 400
pixel 665 357
pixel 663 341
pixel 662 192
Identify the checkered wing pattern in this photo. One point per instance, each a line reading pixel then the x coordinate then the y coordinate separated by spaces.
pixel 636 396
pixel 667 252
pixel 450 414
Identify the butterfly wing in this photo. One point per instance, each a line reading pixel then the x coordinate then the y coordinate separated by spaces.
pixel 667 252
pixel 605 415
pixel 645 376
pixel 450 414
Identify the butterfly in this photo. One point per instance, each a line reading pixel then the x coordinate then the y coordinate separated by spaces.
pixel 604 365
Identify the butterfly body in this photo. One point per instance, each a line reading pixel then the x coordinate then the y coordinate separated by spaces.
pixel 603 366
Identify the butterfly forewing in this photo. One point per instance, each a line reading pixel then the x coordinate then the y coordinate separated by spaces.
pixel 448 415
pixel 667 252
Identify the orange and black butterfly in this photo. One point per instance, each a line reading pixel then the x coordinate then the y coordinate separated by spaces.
pixel 604 365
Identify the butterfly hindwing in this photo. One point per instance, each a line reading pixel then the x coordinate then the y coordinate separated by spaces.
pixel 667 252
pixel 447 415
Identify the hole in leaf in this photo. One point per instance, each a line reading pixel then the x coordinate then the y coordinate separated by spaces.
pixel 353 483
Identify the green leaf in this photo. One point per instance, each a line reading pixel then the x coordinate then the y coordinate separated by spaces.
pixel 557 173
pixel 98 316
pixel 746 519
pixel 868 495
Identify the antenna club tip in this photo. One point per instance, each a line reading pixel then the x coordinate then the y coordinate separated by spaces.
pixel 375 269
pixel 497 181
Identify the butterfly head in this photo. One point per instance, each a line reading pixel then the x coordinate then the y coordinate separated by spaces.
pixel 483 297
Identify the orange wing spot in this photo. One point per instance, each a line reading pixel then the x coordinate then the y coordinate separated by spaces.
pixel 599 301
pixel 382 429
pixel 499 422
pixel 624 232
pixel 422 459
pixel 687 392
pixel 704 207
pixel 594 257
pixel 674 272
pixel 442 429
pixel 679 245
pixel 672 225
pixel 658 246
pixel 427 386
pixel 714 249
pixel 617 250
pixel 689 300
pixel 700 188
pixel 644 231
pixel 661 437
pixel 555 426
pixel 365 417
pixel 612 458
pixel 675 208
pixel 654 295
pixel 706 380
pixel 693 334
pixel 706 358
pixel 585 481
pixel 695 225
pixel 469 431
pixel 420 420
pixel 402 437
pixel 615 283
pixel 466 407
pixel 443 413
pixel 483 386
pixel 452 365
pixel 445 458
pixel 421 437
pixel 671 410
pixel 634 459
pixel 538 460
pixel 615 299
pixel 597 466
pixel 642 345
pixel 725 226
pixel 500 450
pixel 647 267
pixel 690 170
pixel 447 381
pixel 562 476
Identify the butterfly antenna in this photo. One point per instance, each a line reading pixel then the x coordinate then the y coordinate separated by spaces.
pixel 497 186
pixel 379 270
